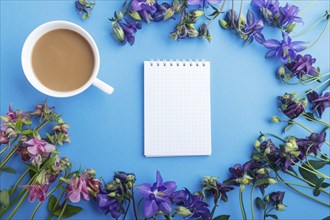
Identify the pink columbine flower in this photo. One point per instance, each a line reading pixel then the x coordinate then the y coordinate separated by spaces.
pixel 77 188
pixel 39 147
pixel 37 191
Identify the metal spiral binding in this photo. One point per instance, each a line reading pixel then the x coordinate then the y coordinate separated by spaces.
pixel 177 62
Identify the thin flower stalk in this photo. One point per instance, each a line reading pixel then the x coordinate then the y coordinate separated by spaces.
pixel 309 28
pixel 315 120
pixel 18 205
pixel 311 171
pixel 241 203
pixel 9 155
pixel 251 201
pixel 8 145
pixel 319 37
pixel 63 209
pixel 307 7
pixel 18 181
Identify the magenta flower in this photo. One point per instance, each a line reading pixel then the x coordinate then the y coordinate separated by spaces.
pixel 77 188
pixel 285 49
pixel 37 191
pixel 14 115
pixel 39 147
pixel 157 196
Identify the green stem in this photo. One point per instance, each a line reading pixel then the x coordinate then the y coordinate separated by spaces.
pixel 309 28
pixel 18 181
pixel 63 210
pixel 10 155
pixel 41 125
pixel 298 191
pixel 241 204
pixel 217 14
pixel 55 206
pixel 273 135
pixel 315 120
pixel 319 158
pixel 311 171
pixel 307 7
pixel 8 145
pixel 215 206
pixel 239 16
pixel 40 203
pixel 134 205
pixel 316 87
pixel 129 203
pixel 18 205
pixel 251 202
pixel 325 27
pixel 139 208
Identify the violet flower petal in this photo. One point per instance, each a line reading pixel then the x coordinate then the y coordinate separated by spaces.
pixel 150 208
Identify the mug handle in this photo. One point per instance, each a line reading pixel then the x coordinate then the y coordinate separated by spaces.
pixel 103 86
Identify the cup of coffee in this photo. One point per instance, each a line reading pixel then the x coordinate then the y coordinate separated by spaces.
pixel 61 59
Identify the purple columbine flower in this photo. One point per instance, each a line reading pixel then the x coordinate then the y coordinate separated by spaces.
pixel 129 29
pixel 39 147
pixel 108 204
pixel 197 207
pixel 240 173
pixel 145 8
pixel 157 196
pixel 285 49
pixel 221 191
pixel 320 102
pixel 301 66
pixel 288 15
pixel 37 191
pixel 253 29
pixel 290 107
pixel 77 188
pixel 268 9
pixel 277 199
pixel 162 9
pixel 311 144
pixel 201 2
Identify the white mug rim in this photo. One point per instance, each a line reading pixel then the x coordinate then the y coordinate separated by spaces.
pixel 35 35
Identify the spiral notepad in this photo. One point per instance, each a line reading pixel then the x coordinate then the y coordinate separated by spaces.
pixel 177 115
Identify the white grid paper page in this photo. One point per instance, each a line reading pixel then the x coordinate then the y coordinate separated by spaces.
pixel 177 115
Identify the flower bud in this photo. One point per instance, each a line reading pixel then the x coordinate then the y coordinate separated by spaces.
pixel 118 33
pixel 262 138
pixel 290 28
pixel 272 181
pixel 276 119
pixel 256 144
pixel 223 24
pixel 135 15
pixel 41 178
pixel 183 211
pixel 120 15
pixel 267 198
pixel 261 171
pixel 281 72
pixel 241 187
pixel 129 185
pixel 198 13
pixel 23 138
pixel 169 13
pixel 280 207
pixel 112 194
pixel 91 172
pixel 267 150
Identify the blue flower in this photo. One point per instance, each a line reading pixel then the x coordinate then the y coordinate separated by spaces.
pixel 288 15
pixel 268 9
pixel 108 204
pixel 157 196
pixel 145 8
pixel 253 29
pixel 285 49
pixel 198 209
pixel 320 102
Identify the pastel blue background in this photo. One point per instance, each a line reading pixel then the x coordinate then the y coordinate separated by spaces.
pixel 107 131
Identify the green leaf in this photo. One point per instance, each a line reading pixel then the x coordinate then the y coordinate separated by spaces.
pixel 318 164
pixel 4 197
pixel 260 204
pixel 69 211
pixel 325 185
pixel 51 203
pixel 311 177
pixel 262 190
pixel 8 170
pixel 222 217
pixel 287 128
pixel 316 191
pixel 27 132
pixel 19 124
pixel 261 182
pixel 31 167
pixel 48 163
pixel 327 218
pixel 272 216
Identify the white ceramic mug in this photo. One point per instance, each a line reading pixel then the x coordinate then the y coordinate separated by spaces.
pixel 27 64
